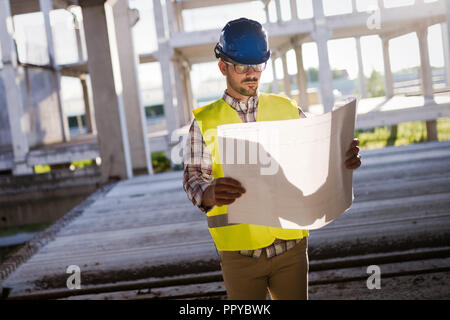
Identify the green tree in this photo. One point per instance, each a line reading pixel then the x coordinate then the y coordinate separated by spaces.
pixel 375 84
pixel 313 74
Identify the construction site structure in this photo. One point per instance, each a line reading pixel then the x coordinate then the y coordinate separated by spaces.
pixel 34 128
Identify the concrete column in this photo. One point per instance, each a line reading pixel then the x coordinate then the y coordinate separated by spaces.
pixel 361 78
pixel 425 67
pixel 388 80
pixel 187 89
pixel 181 94
pixel 354 9
pixel 293 6
pixel 77 26
pixel 446 41
pixel 275 87
pixel 426 79
pixel 165 54
pixel 301 79
pixel 46 6
pixel 89 115
pixel 104 70
pixel 286 77
pixel 178 15
pixel 172 20
pixel 320 35
pixel 174 16
pixel 325 76
pixel 446 46
pixel 13 93
pixel 318 9
pixel 80 124
pixel 278 6
pixel 266 10
pixel 134 108
pixel 189 93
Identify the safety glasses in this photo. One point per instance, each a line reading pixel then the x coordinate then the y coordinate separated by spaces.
pixel 244 68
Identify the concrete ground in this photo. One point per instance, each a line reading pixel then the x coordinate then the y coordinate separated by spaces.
pixel 145 229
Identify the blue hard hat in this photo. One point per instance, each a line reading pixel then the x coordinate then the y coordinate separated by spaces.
pixel 243 41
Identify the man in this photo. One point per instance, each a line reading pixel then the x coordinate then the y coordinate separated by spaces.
pixel 254 259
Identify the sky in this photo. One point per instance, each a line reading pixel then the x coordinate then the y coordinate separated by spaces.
pixel 404 50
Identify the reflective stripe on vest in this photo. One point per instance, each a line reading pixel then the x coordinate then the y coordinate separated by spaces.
pixel 220 220
pixel 230 236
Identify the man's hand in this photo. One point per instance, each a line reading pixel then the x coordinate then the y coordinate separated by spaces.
pixel 353 157
pixel 222 191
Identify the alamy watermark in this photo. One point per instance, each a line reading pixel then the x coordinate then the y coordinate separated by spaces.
pixel 374 19
pixel 74 280
pixel 237 151
pixel 374 280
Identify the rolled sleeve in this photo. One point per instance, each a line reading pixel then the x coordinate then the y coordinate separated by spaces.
pixel 197 167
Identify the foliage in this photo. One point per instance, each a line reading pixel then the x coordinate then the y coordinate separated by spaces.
pixel 407 133
pixel 375 84
pixel 160 162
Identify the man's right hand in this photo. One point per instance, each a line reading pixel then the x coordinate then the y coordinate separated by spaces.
pixel 222 191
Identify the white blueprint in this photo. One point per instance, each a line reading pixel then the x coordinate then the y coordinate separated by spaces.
pixel 293 170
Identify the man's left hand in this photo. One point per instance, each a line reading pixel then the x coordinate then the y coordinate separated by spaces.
pixel 353 157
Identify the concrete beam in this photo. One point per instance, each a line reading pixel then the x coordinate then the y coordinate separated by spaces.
pixel 348 25
pixel 13 93
pixel 91 3
pixel 196 46
pixel 194 4
pixel 104 70
pixel 74 70
pixel 63 4
pixel 290 43
pixel 393 117
pixel 80 68
pixel 23 6
pixel 148 57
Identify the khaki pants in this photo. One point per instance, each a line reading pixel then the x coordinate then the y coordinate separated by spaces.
pixel 285 276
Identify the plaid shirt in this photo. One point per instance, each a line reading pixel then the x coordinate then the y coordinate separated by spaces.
pixel 198 169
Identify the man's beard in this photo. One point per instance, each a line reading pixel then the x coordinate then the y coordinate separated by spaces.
pixel 249 92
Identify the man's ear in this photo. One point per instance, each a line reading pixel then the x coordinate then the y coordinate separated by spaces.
pixel 222 67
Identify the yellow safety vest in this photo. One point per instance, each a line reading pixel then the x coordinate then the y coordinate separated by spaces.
pixel 232 237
